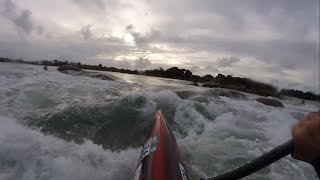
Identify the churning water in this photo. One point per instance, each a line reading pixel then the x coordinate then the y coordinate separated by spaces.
pixel 61 126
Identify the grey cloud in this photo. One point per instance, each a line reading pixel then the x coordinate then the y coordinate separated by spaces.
pixel 138 64
pixel 281 52
pixel 40 30
pixel 86 32
pixel 142 63
pixel 24 21
pixel 125 64
pixel 21 18
pixel 227 62
pixel 230 8
pixel 9 8
pixel 129 28
pixel 83 51
pixel 95 4
pixel 285 54
pixel 143 40
pixel 224 21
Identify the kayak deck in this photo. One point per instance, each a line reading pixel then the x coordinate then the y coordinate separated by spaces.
pixel 160 158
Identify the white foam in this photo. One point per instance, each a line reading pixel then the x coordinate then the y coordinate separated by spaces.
pixel 29 155
pixel 241 131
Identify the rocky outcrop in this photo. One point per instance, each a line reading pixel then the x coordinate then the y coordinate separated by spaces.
pixel 270 102
pixel 242 84
pixel 76 71
pixel 68 67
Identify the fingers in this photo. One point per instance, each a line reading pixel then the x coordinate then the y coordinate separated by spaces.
pixel 306 136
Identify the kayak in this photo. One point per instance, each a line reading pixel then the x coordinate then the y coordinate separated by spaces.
pixel 160 157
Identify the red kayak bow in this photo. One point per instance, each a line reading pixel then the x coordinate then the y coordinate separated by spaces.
pixel 160 158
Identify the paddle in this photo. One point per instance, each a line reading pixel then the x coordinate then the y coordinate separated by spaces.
pixel 263 161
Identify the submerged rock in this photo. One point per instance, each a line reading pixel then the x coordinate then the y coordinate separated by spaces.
pixel 270 102
pixel 185 94
pixel 68 67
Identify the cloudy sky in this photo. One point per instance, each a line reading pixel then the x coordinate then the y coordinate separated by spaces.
pixel 274 41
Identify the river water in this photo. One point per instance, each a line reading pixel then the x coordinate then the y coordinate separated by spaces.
pixel 61 126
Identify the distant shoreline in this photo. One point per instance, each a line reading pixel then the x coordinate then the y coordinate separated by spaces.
pixel 220 81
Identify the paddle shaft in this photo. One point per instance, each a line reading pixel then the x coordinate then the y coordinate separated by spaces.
pixel 316 166
pixel 263 161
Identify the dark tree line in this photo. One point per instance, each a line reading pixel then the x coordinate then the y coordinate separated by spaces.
pixel 241 84
pixel 300 94
pixel 172 72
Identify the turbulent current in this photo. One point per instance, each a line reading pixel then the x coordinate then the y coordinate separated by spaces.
pixel 63 126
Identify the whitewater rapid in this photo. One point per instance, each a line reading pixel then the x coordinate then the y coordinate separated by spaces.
pixel 59 126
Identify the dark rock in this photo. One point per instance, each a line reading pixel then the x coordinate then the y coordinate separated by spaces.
pixel 68 67
pixel 270 102
pixel 195 83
